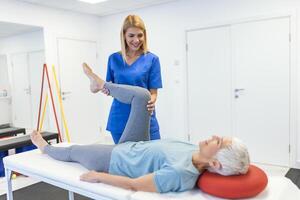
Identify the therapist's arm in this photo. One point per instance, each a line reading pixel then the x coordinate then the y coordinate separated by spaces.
pixel 144 183
pixel 151 103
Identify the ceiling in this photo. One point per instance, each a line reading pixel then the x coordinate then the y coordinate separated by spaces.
pixel 99 9
pixel 10 29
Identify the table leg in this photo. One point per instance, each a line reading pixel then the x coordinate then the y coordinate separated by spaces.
pixel 9 192
pixel 71 195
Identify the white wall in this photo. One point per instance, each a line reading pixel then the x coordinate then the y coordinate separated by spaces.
pixel 5 102
pixel 166 28
pixel 55 23
pixel 26 42
pixel 31 41
pixel 166 25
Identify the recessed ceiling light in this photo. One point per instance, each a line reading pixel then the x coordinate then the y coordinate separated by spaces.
pixel 93 1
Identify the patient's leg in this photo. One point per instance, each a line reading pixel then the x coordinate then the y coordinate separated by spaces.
pixel 137 127
pixel 138 123
pixel 93 157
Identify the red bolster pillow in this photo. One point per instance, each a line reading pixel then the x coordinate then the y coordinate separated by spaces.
pixel 234 187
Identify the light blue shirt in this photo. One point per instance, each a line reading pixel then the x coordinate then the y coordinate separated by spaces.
pixel 169 160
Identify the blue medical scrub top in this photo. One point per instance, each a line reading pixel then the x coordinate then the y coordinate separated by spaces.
pixel 144 72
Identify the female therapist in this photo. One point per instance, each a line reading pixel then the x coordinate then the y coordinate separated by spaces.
pixel 136 66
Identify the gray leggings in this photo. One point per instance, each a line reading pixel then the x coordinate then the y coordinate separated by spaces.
pixel 97 156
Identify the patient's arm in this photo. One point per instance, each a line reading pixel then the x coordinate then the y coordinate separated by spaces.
pixel 143 183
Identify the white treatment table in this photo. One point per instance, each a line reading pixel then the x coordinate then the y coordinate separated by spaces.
pixel 66 175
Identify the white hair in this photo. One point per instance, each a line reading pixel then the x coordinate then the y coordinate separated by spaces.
pixel 234 159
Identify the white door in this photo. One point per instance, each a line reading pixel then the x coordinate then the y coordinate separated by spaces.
pixel 82 108
pixel 36 60
pixel 255 56
pixel 209 83
pixel 261 52
pixel 21 99
pixel 5 105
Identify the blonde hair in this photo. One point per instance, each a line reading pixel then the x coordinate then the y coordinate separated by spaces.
pixel 136 22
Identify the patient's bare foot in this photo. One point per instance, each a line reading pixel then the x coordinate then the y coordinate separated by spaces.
pixel 97 83
pixel 38 140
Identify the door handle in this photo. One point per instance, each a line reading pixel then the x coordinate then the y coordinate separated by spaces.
pixel 236 91
pixel 27 90
pixel 239 89
pixel 65 93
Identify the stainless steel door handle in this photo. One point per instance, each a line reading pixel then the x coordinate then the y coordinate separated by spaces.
pixel 65 93
pixel 239 89
pixel 236 92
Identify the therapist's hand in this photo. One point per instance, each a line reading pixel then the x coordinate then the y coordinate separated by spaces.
pixel 151 105
pixel 105 91
pixel 151 102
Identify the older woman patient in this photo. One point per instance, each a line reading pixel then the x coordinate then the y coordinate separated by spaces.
pixel 142 165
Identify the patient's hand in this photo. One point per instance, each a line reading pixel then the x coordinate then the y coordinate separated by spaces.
pixel 91 176
pixel 143 183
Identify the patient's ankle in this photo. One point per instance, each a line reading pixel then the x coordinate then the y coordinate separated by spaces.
pixel 96 82
pixel 38 140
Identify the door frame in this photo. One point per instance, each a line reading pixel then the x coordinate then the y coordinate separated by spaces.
pixel 294 147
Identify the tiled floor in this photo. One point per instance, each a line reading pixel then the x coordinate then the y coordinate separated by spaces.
pixel 22 181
